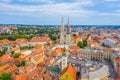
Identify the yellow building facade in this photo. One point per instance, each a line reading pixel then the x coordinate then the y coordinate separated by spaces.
pixel 69 73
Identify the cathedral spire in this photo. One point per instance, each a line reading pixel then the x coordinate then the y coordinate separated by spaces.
pixel 65 33
pixel 62 25
pixel 68 22
pixel 68 26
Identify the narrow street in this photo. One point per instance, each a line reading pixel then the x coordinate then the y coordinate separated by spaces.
pixel 112 72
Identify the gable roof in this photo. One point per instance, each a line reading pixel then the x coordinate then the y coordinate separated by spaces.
pixel 21 77
pixel 70 70
pixel 21 40
pixel 4 67
pixel 74 47
pixel 39 39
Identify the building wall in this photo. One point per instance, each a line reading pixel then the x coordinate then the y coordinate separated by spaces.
pixel 103 77
pixel 68 38
pixel 34 43
pixel 64 62
pixel 118 70
pixel 97 56
pixel 62 38
pixel 65 38
pixel 66 76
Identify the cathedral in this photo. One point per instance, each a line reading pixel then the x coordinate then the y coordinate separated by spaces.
pixel 65 33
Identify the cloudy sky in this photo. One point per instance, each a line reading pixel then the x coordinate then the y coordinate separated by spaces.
pixel 50 11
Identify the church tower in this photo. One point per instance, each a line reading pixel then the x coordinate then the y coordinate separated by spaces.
pixel 68 33
pixel 68 27
pixel 64 62
pixel 65 33
pixel 62 33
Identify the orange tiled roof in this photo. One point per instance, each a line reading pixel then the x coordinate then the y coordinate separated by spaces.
pixel 21 77
pixel 39 45
pixel 79 79
pixel 70 70
pixel 74 52
pixel 33 72
pixel 4 67
pixel 40 39
pixel 5 58
pixel 37 57
pixel 6 40
pixel 74 47
pixel 27 68
pixel 12 43
pixel 49 60
pixel 17 59
pixel 21 40
pixel 54 53
pixel 11 68
pixel 77 38
pixel 15 48
pixel 58 50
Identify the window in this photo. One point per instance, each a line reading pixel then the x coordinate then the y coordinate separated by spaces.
pixel 66 76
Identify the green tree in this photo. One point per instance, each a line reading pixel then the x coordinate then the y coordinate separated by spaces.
pixel 85 43
pixel 5 76
pixel 103 44
pixel 26 47
pixel 22 63
pixel 16 55
pixel 2 52
pixel 53 38
pixel 74 35
pixel 80 44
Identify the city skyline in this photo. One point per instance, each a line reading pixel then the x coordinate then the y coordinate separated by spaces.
pixel 47 12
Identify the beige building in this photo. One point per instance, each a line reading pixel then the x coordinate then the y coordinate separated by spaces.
pixel 65 34
pixel 95 72
pixel 92 54
pixel 64 62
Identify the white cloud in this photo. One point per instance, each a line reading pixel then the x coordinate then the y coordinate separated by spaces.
pixel 57 9
pixel 109 14
pixel 76 8
pixel 112 0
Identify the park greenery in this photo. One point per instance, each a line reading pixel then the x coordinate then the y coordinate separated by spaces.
pixel 29 32
pixel 26 47
pixel 5 76
pixel 82 44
